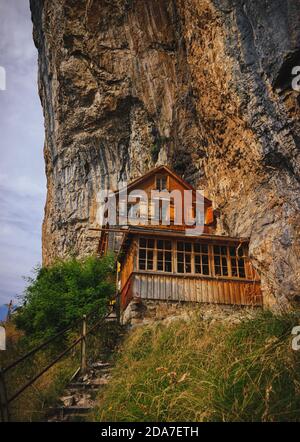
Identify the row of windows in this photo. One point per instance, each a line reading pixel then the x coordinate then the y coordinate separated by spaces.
pixel 189 258
pixel 163 212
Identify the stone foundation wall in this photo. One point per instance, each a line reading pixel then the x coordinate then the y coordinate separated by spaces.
pixel 144 311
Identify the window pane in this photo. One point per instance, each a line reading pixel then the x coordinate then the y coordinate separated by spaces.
pixel 241 268
pixel 240 251
pixel 188 247
pixel 217 250
pixel 188 267
pixel 241 263
pixel 168 256
pixel 143 242
pixel 232 251
pixel 217 261
pixel 205 270
pixel 224 264
pixel 168 266
pixel 158 183
pixel 204 248
pixel 142 254
pixel 160 256
pixel 150 255
pixel 197 259
pixel 205 259
pixel 160 244
pixel 142 264
pixel 224 250
pixel 160 265
pixel 233 267
pixel 197 248
pixel 242 273
pixel 150 265
pixel 180 245
pixel 180 257
pixel 180 268
pixel 151 243
pixel 217 270
pixel 168 245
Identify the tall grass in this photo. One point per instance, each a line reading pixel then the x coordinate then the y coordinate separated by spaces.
pixel 33 404
pixel 206 372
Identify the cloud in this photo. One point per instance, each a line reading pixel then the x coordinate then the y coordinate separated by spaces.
pixel 22 185
pixel 22 179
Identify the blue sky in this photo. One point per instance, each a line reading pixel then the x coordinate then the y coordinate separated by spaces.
pixel 22 178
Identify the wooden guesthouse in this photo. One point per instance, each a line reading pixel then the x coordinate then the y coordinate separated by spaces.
pixel 168 262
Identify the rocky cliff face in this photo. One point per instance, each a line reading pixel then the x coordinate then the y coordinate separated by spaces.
pixel 204 86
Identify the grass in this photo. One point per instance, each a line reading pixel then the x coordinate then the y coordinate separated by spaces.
pixel 34 402
pixel 198 371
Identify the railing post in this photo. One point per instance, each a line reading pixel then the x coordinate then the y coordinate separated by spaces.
pixel 3 399
pixel 83 346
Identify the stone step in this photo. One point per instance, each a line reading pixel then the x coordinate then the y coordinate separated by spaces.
pixel 57 413
pixel 80 395
pixel 101 365
pixel 87 386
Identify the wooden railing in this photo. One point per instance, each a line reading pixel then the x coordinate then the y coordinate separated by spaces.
pixel 6 400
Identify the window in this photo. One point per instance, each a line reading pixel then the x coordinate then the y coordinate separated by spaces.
pixel 220 260
pixel 160 211
pixel 184 257
pixel 201 259
pixel 229 261
pixel 196 258
pixel 164 255
pixel 161 182
pixel 237 260
pixel 146 254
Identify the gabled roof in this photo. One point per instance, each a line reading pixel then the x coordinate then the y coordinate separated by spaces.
pixel 161 169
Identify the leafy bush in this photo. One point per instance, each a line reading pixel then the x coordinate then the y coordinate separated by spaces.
pixel 62 293
pixel 197 371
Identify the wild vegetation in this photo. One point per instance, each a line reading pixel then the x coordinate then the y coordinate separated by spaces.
pixel 207 372
pixel 62 293
pixel 53 300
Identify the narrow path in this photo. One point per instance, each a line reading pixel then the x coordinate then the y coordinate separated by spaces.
pixel 80 396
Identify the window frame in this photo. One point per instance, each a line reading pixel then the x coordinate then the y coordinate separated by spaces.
pixel 192 261
pixel 160 178
pixel 185 253
pixel 147 250
pixel 201 254
pixel 164 252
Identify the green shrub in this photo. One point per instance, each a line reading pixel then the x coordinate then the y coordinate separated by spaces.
pixel 206 372
pixel 62 293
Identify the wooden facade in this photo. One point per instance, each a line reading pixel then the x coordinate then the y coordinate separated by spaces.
pixel 162 262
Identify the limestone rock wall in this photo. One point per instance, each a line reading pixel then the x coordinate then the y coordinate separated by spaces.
pixel 204 86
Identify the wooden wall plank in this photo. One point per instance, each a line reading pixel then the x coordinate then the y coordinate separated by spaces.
pixel 165 287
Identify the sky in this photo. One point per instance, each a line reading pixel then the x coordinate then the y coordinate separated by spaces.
pixel 22 177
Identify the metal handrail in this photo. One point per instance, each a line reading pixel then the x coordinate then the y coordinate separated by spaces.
pixel 45 343
pixel 15 395
pixel 4 404
pixel 39 347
